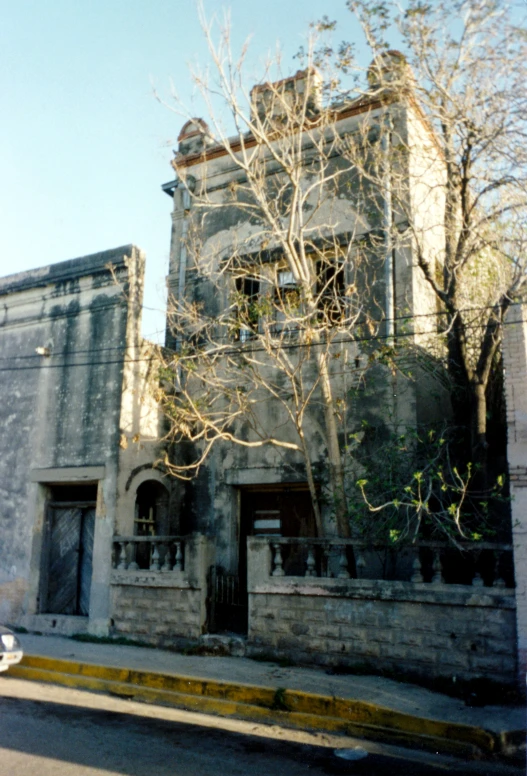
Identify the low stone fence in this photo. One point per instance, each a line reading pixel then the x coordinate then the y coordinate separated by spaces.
pixel 325 602
pixel 164 602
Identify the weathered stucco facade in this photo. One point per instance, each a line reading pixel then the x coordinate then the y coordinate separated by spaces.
pixel 95 536
pixel 70 349
pixel 210 226
pixel 320 600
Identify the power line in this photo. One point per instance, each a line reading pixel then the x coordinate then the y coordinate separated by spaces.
pixel 371 339
pixel 235 351
pixel 380 321
pixel 227 337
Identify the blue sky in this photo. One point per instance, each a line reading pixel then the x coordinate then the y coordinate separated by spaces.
pixel 84 145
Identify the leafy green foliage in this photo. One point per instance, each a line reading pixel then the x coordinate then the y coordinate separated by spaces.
pixel 410 486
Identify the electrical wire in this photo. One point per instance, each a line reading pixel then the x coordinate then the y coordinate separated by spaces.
pixel 227 337
pixel 233 351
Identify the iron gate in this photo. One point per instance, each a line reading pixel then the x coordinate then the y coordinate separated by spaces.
pixel 227 600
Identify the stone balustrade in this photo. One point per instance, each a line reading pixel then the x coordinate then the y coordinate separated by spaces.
pixel 481 564
pixel 429 609
pixel 155 553
pixel 159 587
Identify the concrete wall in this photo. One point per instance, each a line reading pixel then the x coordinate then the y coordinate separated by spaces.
pixel 427 630
pixel 515 361
pixel 60 413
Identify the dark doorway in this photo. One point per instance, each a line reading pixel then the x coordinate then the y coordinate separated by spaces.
pixel 69 538
pixel 277 510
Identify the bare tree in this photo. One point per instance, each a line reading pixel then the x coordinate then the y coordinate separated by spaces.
pixel 283 278
pixel 463 202
pixel 297 218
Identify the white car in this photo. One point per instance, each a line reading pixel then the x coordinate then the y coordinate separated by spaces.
pixel 10 650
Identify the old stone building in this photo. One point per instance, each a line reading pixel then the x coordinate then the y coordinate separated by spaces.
pixel 72 370
pixel 227 262
pixel 97 535
pixel 293 586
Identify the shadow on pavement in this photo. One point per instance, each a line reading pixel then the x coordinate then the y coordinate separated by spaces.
pixel 116 742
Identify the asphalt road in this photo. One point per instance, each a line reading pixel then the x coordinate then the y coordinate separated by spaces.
pixel 48 730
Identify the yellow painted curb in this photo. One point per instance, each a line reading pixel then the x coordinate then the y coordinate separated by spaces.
pixel 291 708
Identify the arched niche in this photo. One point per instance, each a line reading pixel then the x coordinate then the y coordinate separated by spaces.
pixel 150 517
pixel 151 509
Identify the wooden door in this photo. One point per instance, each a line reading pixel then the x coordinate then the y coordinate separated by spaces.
pixel 86 560
pixel 70 542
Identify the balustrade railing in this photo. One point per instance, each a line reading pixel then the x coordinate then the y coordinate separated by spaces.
pixel 153 553
pixel 481 564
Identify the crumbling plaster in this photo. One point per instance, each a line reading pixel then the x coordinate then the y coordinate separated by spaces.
pixel 63 343
pixel 210 502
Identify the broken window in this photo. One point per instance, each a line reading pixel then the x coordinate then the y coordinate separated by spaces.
pixel 247 308
pixel 331 291
pixel 276 298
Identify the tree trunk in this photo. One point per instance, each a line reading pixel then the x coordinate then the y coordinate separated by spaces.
pixel 469 403
pixel 479 428
pixel 336 471
pixel 312 485
pixel 460 392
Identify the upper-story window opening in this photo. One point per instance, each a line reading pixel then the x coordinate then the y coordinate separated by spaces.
pixel 247 308
pixel 331 291
pixel 275 299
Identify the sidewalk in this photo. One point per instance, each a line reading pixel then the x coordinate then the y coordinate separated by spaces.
pixel 370 706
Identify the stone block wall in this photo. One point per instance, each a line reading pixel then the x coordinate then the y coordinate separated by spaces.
pixel 148 608
pixel 420 629
pixel 165 608
pixel 386 629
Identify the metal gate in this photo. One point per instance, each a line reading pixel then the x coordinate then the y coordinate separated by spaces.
pixel 70 554
pixel 227 599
